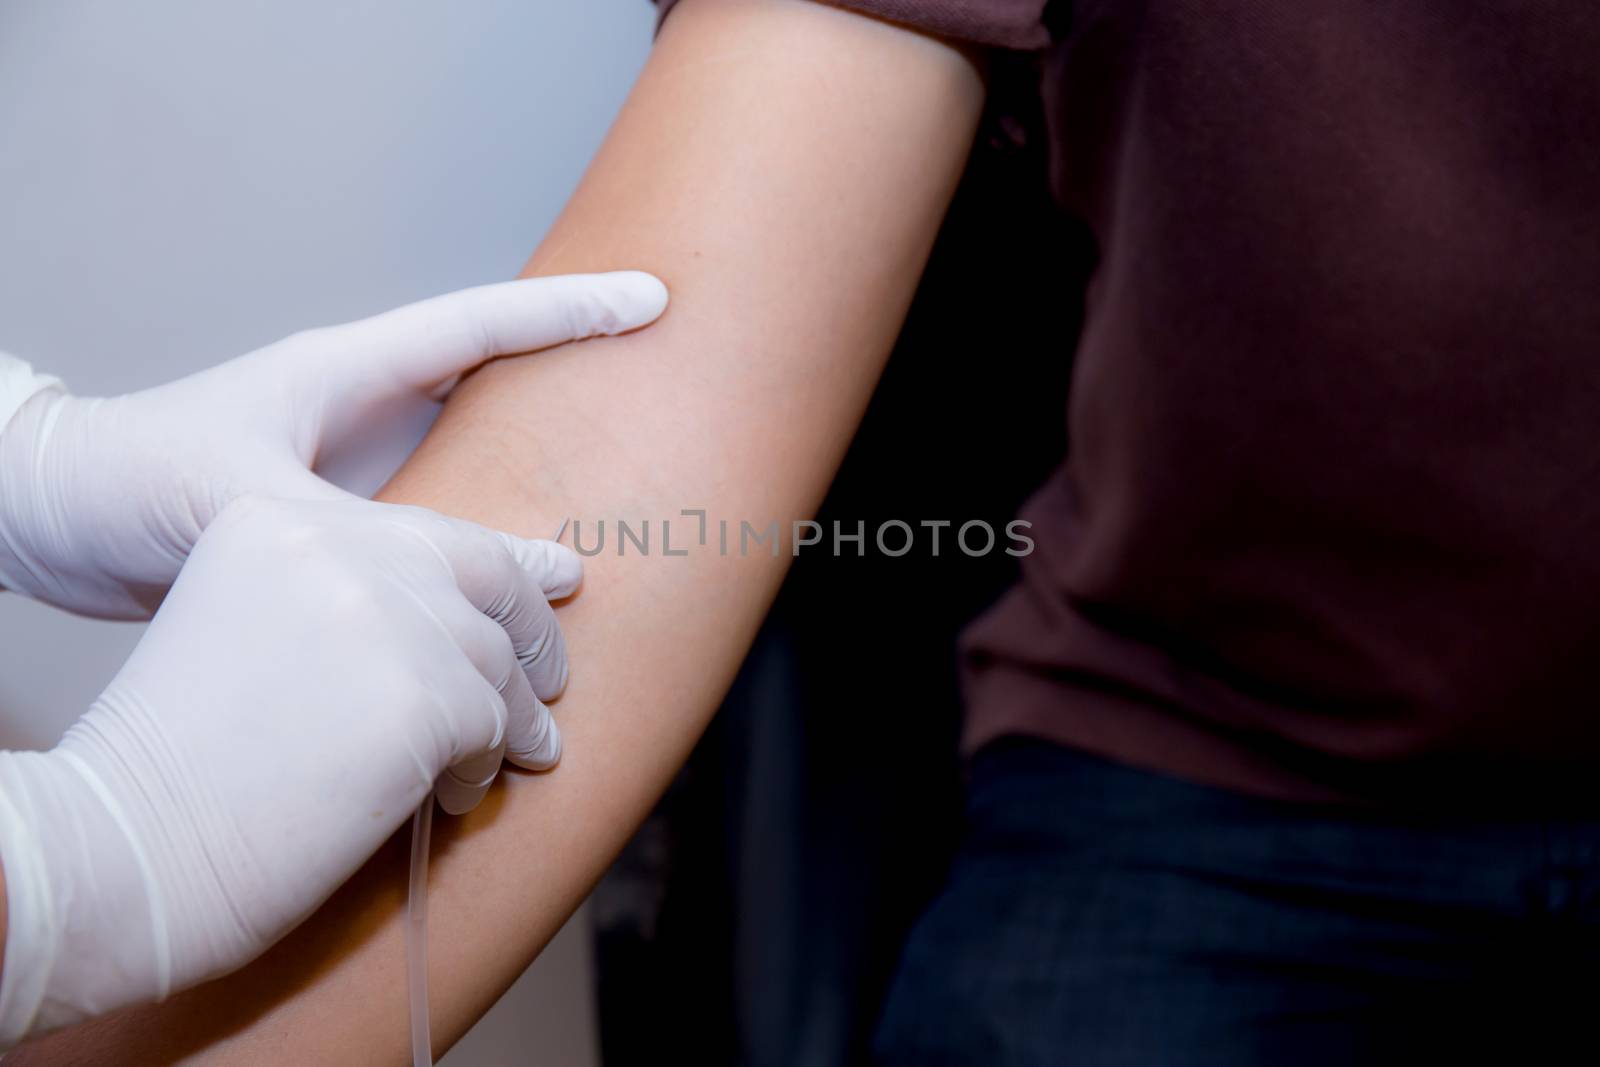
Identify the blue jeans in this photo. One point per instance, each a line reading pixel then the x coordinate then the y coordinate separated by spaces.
pixel 1099 915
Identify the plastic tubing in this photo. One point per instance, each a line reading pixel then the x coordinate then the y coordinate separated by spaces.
pixel 417 923
pixel 417 935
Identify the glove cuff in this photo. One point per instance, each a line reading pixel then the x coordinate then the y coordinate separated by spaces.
pixel 83 933
pixel 18 383
pixel 32 932
pixel 20 458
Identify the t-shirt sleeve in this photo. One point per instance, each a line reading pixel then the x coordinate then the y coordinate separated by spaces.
pixel 1016 24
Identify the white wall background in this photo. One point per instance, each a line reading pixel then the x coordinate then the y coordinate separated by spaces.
pixel 183 181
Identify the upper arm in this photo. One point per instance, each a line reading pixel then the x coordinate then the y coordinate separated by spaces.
pixel 784 167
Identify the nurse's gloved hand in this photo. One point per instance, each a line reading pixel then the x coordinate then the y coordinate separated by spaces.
pixel 317 666
pixel 101 499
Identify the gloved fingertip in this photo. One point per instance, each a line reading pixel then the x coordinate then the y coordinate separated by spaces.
pixel 464 784
pixel 544 754
pixel 457 797
pixel 608 303
pixel 557 568
pixel 639 299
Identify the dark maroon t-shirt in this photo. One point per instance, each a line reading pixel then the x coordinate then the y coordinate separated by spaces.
pixel 1329 524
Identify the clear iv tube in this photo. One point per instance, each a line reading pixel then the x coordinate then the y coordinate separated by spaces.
pixel 417 935
pixel 417 923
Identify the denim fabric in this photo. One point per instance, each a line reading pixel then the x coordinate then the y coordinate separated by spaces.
pixel 1098 915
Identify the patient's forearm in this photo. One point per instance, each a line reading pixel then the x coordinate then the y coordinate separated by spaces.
pixel 783 166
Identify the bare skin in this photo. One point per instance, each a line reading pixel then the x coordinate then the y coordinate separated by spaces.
pixel 784 167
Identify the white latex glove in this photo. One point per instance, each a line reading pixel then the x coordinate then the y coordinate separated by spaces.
pixel 101 499
pixel 316 666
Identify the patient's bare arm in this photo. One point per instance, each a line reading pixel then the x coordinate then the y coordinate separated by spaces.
pixel 783 166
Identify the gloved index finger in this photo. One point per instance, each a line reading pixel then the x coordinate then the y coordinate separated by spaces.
pixel 427 345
